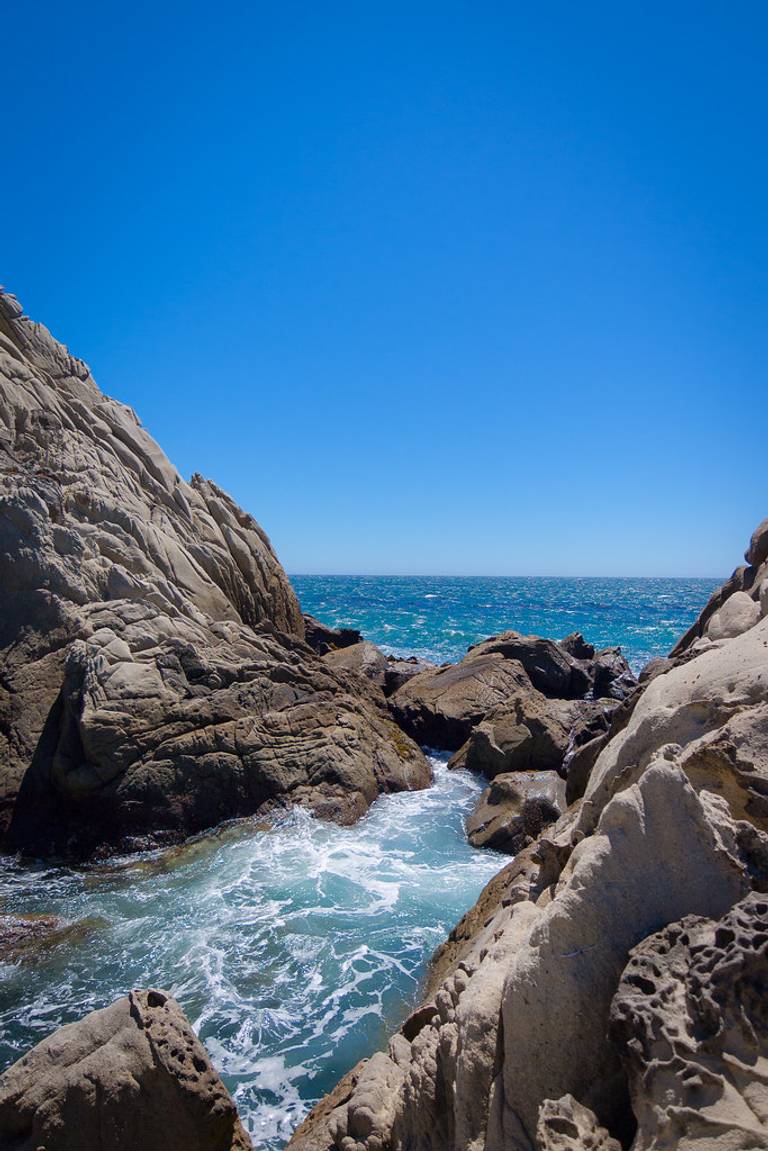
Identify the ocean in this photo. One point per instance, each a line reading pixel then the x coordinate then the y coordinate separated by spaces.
pixel 438 617
pixel 296 950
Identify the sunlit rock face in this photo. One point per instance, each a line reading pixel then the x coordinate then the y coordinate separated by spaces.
pixel 608 989
pixel 154 678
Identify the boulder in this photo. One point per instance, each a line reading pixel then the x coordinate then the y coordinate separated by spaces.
pixel 440 707
pixel 745 581
pixel 154 679
pixel 322 638
pixel 757 552
pixel 691 1022
pixel 399 671
pixel 516 807
pixel 738 614
pixel 132 1075
pixel 362 658
pixel 528 732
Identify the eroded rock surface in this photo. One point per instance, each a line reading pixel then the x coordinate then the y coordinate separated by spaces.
pixel 154 678
pixel 556 1015
pixel 442 706
pixel 133 1075
pixel 691 1019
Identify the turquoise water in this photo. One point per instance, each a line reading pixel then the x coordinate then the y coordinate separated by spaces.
pixel 296 950
pixel 438 617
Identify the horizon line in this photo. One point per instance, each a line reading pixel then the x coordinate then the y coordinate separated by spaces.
pixel 456 575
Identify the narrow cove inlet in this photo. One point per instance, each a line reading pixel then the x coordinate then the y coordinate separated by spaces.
pixel 295 951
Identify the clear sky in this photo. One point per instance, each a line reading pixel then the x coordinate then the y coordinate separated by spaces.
pixel 428 287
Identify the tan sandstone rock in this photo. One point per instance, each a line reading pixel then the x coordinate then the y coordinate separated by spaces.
pixel 153 675
pixel 131 1076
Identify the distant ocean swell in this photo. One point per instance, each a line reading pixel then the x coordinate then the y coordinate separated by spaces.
pixel 438 617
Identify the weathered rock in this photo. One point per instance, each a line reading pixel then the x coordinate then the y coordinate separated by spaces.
pixel 744 580
pixel 513 811
pixel 564 1125
pixel 528 732
pixel 154 676
pixel 691 1019
pixel 322 638
pixel 757 552
pixel 686 709
pixel 738 614
pixel 133 1075
pixel 674 823
pixel 440 708
pixel 399 671
pixel 362 658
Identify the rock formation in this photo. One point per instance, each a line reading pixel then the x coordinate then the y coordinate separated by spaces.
pixel 608 989
pixel 515 809
pixel 133 1075
pixel 440 707
pixel 153 674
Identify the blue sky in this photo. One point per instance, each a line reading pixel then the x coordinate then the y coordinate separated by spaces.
pixel 429 288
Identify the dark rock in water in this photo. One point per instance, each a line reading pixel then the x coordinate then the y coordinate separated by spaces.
pixel 26 936
pixel 575 645
pixel 153 675
pixel 440 707
pixel 515 809
pixel 322 638
pixel 690 1018
pixel 132 1076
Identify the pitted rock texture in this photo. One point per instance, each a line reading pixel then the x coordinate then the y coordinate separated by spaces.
pixel 564 1125
pixel 442 706
pixel 691 1019
pixel 512 1048
pixel 133 1075
pixel 153 675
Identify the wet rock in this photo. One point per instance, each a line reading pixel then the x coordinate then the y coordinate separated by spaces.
pixel 24 937
pixel 133 1075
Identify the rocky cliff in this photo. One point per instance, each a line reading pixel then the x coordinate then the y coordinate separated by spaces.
pixel 153 674
pixel 609 987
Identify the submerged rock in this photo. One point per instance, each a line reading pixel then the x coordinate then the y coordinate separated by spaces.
pixel 154 679
pixel 133 1075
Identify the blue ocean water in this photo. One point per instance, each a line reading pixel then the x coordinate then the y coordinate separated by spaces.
pixel 438 617
pixel 296 950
